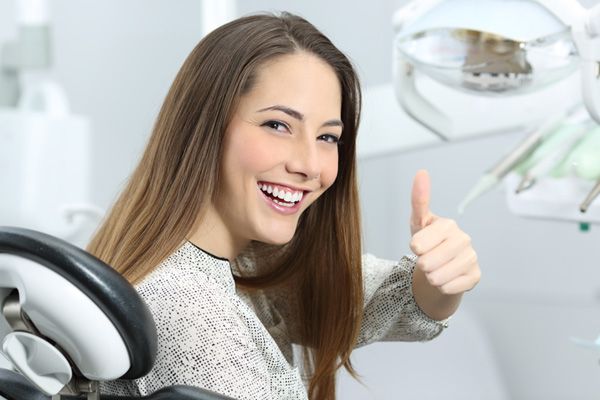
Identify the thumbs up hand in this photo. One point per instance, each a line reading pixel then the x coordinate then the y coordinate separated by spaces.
pixel 446 261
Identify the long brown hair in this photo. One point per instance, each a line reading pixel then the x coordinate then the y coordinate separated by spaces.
pixel 179 174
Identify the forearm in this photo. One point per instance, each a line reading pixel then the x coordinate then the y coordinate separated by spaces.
pixel 435 304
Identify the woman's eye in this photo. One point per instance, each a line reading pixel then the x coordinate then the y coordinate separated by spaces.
pixel 276 125
pixel 328 138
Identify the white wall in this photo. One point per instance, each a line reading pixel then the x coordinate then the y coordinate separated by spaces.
pixel 540 282
pixel 117 60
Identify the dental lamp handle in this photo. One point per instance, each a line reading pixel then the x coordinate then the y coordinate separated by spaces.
pixel 414 103
pixel 587 40
pixel 593 21
pixel 585 29
pixel 405 88
pixel 590 82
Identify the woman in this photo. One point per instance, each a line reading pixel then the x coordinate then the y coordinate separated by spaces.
pixel 240 225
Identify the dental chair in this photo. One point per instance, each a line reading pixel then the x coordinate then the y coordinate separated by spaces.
pixel 69 321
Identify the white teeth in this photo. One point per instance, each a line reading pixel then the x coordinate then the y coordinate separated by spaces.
pixel 283 204
pixel 289 197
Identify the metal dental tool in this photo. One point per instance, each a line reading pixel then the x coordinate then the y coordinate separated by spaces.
pixel 522 151
pixel 590 198
pixel 557 153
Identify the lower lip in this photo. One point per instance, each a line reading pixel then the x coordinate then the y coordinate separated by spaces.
pixel 281 209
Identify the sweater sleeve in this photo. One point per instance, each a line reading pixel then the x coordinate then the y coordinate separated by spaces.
pixel 391 312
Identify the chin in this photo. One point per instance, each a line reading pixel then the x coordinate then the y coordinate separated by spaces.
pixel 278 240
pixel 275 242
pixel 278 237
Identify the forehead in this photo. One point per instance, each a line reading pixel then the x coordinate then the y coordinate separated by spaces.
pixel 301 81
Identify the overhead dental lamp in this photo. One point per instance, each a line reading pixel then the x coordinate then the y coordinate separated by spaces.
pixel 493 48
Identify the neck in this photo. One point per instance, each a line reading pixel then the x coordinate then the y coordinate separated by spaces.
pixel 211 234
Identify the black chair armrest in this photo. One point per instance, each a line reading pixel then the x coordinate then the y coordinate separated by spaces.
pixel 14 386
pixel 176 392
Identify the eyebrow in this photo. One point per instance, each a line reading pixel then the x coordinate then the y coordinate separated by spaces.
pixel 299 116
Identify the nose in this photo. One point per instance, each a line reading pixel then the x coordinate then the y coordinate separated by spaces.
pixel 304 159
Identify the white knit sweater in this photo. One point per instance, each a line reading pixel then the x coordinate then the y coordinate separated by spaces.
pixel 237 344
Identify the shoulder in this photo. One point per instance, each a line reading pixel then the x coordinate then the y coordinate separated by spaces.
pixel 188 283
pixel 188 268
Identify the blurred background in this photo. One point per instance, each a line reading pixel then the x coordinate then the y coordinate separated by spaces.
pixel 540 287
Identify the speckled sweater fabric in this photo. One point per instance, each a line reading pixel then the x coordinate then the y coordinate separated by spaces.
pixel 237 344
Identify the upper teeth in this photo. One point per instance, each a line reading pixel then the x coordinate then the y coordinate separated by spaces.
pixel 283 194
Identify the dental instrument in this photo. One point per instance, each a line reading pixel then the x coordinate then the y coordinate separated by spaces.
pixel 567 139
pixel 478 47
pixel 584 161
pixel 587 164
pixel 560 196
pixel 590 198
pixel 491 178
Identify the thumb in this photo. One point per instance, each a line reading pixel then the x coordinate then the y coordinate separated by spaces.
pixel 421 190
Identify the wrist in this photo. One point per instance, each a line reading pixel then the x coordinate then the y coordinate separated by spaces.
pixel 431 300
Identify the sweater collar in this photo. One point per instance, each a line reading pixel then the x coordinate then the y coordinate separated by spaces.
pixel 215 268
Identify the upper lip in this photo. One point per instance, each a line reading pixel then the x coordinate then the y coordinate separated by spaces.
pixel 292 187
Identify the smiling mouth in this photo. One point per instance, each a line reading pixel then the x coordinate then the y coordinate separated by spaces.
pixel 280 196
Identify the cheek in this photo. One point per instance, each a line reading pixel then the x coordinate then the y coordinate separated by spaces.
pixel 329 170
pixel 252 155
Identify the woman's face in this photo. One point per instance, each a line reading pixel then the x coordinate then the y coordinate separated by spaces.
pixel 281 150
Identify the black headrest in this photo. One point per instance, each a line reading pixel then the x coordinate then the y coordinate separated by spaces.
pixel 101 283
